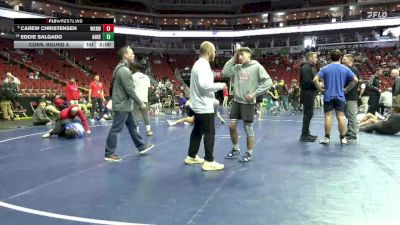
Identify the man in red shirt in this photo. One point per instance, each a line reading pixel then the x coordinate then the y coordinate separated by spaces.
pixel 72 92
pixel 59 102
pixel 66 116
pixel 96 97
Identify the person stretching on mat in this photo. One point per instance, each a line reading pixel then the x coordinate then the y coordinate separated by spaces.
pixel 190 118
pixel 66 116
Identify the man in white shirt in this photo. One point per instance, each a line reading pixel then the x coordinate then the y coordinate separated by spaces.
pixel 141 87
pixel 202 88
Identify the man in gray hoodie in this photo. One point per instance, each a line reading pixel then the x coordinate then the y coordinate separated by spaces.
pixel 122 95
pixel 249 80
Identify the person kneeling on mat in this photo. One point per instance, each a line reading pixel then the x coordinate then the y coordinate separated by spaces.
pixel 66 116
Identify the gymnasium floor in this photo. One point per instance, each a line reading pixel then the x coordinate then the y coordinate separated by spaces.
pixel 58 181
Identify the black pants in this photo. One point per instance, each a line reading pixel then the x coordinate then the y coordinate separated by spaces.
pixel 380 128
pixel 373 103
pixel 97 104
pixel 204 124
pixel 307 99
pixel 39 123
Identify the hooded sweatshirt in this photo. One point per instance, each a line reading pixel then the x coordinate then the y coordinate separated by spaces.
pixel 249 78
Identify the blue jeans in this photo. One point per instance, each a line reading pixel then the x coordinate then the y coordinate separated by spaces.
pixel 121 118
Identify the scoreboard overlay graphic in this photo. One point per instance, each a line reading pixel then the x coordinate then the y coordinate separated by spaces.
pixel 84 33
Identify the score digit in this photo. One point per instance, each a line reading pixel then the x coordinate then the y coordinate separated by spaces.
pixel 108 27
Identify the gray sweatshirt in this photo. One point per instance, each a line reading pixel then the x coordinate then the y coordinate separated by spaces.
pixel 123 89
pixel 250 78
pixel 40 115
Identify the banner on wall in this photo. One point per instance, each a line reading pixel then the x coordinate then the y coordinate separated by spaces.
pixel 386 44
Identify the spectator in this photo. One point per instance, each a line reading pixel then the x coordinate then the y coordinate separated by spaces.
pixel 335 76
pixel 96 97
pixel 72 92
pixel 40 116
pixel 8 92
pixel 59 103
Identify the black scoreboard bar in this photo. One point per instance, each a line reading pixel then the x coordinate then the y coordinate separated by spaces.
pixel 64 33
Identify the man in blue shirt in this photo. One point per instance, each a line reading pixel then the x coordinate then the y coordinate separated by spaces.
pixel 335 76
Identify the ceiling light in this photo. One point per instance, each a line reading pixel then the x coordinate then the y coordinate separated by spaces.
pixel 280 13
pixel 82 11
pixel 265 15
pixel 60 7
pixel 47 5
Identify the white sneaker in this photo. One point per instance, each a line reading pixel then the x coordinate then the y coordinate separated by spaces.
pixel 48 134
pixel 102 120
pixel 343 141
pixel 171 123
pixel 190 161
pixel 379 116
pixel 325 141
pixel 92 120
pixel 210 166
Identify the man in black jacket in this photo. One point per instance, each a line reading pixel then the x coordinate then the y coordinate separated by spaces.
pixel 308 91
pixel 351 102
pixel 8 93
pixel 375 93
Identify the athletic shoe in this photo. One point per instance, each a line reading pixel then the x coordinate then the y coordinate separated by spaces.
pixel 343 141
pixel 196 160
pixel 48 134
pixel 147 147
pixel 92 120
pixel 352 139
pixel 102 120
pixel 212 166
pixel 171 123
pixel 232 154
pixel 149 133
pixel 325 141
pixel 247 157
pixel 113 158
